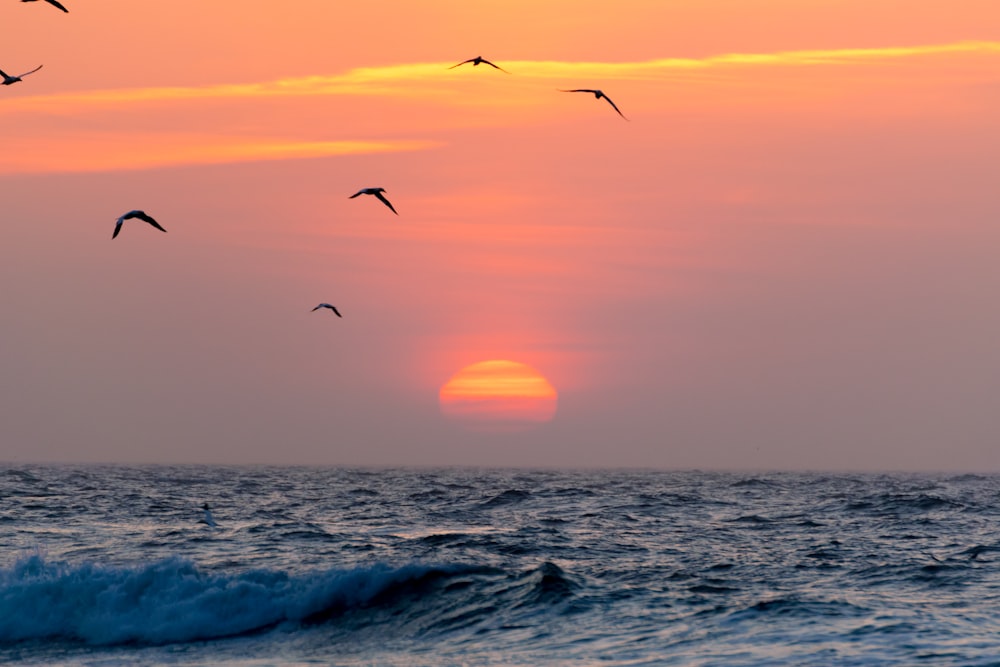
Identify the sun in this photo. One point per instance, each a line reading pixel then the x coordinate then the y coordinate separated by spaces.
pixel 499 396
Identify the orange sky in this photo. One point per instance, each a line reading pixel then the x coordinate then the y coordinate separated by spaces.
pixel 780 260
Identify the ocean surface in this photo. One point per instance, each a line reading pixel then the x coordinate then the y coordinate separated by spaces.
pixel 108 565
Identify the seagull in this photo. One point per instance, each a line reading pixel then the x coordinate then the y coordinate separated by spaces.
pixel 326 305
pixel 479 59
pixel 208 520
pixel 598 94
pixel 135 214
pixel 51 2
pixel 8 79
pixel 378 193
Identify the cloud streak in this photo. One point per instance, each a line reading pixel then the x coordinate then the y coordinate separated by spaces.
pixel 434 79
pixel 47 142
pixel 101 152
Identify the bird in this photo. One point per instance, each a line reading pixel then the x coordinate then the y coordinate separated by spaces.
pixel 8 79
pixel 378 193
pixel 598 94
pixel 477 60
pixel 208 520
pixel 135 214
pixel 51 2
pixel 326 305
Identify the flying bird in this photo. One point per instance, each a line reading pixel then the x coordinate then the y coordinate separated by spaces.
pixel 477 60
pixel 135 214
pixel 8 79
pixel 598 94
pixel 326 305
pixel 51 2
pixel 378 193
pixel 207 519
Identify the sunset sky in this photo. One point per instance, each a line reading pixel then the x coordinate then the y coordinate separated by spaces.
pixel 786 257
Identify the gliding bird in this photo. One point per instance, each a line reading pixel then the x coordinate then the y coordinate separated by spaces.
pixel 598 94
pixel 135 214
pixel 8 79
pixel 378 193
pixel 326 305
pixel 51 2
pixel 208 520
pixel 479 59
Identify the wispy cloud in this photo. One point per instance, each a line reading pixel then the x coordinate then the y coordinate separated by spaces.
pixel 435 79
pixel 828 56
pixel 105 152
pixel 58 132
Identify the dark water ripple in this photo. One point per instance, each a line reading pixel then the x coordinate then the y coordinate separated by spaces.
pixel 513 567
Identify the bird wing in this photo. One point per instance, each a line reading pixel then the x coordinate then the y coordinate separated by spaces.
pixel 615 106
pixel 54 3
pixel 579 90
pixel 118 227
pixel 495 67
pixel 145 218
pixel 385 201
pixel 462 63
pixel 31 72
pixel 4 74
pixel 359 192
pixel 316 308
pixel 335 311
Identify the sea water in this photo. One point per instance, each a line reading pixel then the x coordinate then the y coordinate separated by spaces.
pixel 108 565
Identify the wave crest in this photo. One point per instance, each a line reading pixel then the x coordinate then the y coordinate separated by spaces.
pixel 174 601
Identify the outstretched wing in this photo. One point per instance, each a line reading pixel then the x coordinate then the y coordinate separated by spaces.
pixel 145 218
pixel 31 72
pixel 359 192
pixel 462 63
pixel 4 74
pixel 614 105
pixel 385 201
pixel 56 4
pixel 578 90
pixel 118 227
pixel 496 67
pixel 327 305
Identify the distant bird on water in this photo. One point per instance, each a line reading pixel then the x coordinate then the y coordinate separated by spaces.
pixel 135 214
pixel 378 193
pixel 51 2
pixel 207 519
pixel 326 305
pixel 477 60
pixel 596 93
pixel 8 79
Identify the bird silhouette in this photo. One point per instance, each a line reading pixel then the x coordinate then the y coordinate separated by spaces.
pixel 51 2
pixel 326 305
pixel 598 94
pixel 135 214
pixel 378 193
pixel 8 79
pixel 477 60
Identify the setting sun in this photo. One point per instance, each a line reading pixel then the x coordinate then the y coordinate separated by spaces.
pixel 498 395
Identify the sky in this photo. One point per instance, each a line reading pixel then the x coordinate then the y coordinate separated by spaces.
pixel 784 259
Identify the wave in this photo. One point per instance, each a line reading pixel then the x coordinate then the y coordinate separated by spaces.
pixel 798 607
pixel 754 482
pixel 896 504
pixel 509 497
pixel 174 601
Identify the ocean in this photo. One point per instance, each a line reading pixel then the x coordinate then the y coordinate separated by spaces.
pixel 109 565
